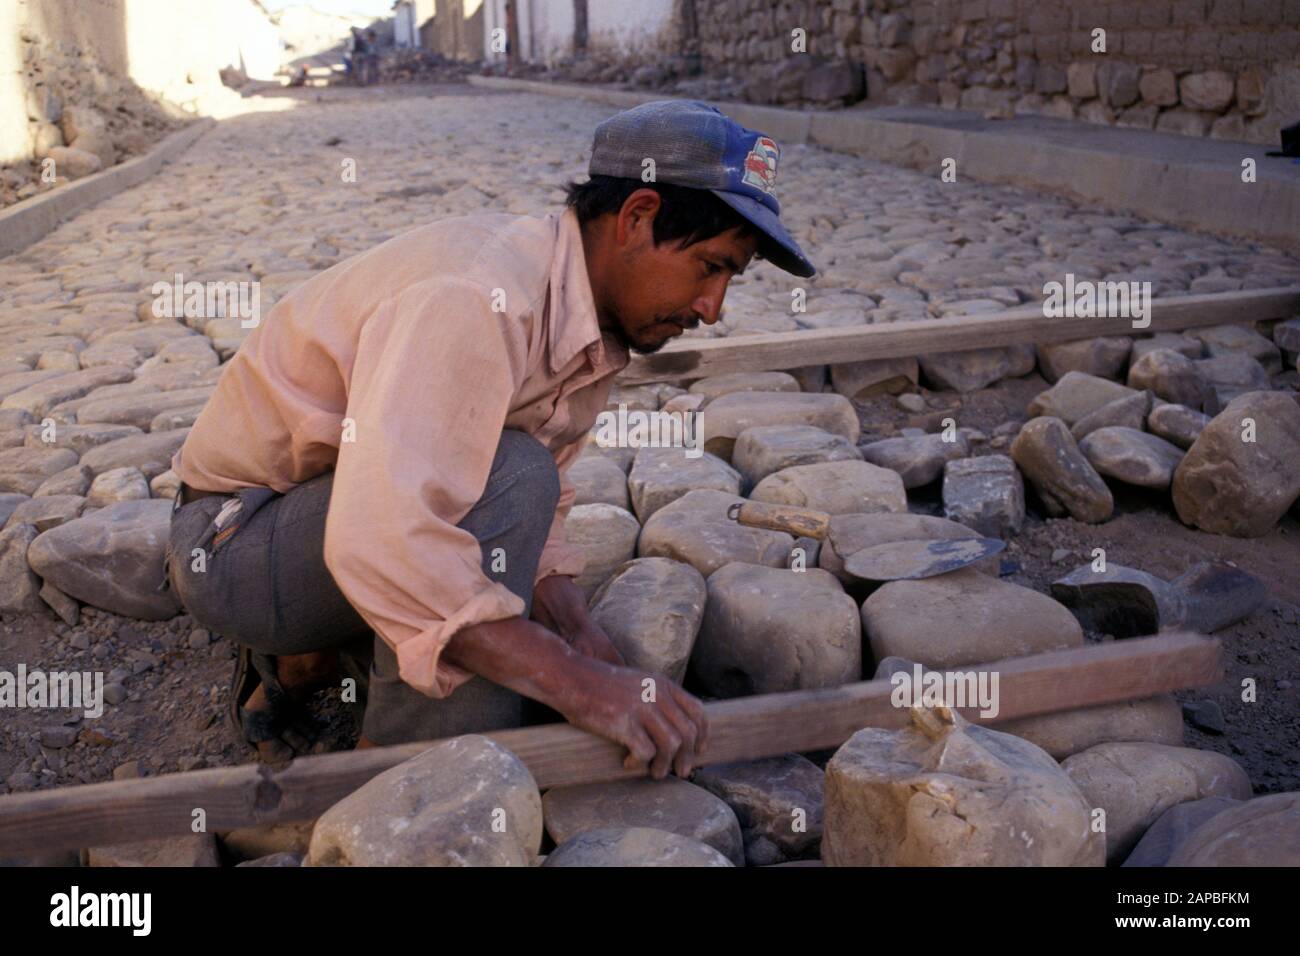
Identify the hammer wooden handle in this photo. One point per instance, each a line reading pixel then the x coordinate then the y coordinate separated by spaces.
pixel 800 522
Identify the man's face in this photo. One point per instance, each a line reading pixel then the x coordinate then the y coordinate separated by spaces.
pixel 660 291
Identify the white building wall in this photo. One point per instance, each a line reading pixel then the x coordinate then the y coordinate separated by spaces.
pixel 615 28
pixel 628 28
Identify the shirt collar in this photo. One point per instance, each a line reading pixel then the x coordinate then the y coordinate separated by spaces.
pixel 574 323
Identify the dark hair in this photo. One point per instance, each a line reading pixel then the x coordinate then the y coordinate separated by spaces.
pixel 691 215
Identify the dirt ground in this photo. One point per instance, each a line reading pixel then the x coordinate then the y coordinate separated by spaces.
pixel 176 678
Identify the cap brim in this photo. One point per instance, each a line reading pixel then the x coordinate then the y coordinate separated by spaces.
pixel 787 255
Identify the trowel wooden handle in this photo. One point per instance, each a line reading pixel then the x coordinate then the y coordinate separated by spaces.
pixel 800 522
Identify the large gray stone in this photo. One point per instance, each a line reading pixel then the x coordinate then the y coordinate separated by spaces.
pixel 111 559
pixel 1230 375
pixel 978 368
pixel 660 476
pixel 118 484
pixel 1264 831
pixel 862 380
pixel 79 438
pixel 964 617
pixel 767 449
pixel 19 588
pixel 1177 341
pixel 1075 395
pixel 23 470
pixel 8 502
pixel 599 481
pixel 986 494
pixel 48 511
pixel 1103 357
pixel 15 382
pixel 607 537
pixel 152 454
pixel 1224 339
pixel 918 460
pixel 147 338
pixel 836 487
pixel 1171 376
pixel 1177 424
pixel 1130 412
pixel 726 417
pixel 1157 720
pixel 1047 454
pixel 695 529
pixel 778 802
pixel 1227 485
pixel 198 849
pixel 651 609
pixel 70 481
pixel 466 801
pixel 856 532
pixel 767 630
pixel 41 397
pixel 634 846
pixel 1136 782
pixel 1173 827
pixel 140 409
pixel 1131 456
pixel 717 385
pixel 953 794
pixel 669 804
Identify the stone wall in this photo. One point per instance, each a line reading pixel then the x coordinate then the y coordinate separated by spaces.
pixel 1223 68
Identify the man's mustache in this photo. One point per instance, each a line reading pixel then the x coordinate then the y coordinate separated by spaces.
pixel 688 321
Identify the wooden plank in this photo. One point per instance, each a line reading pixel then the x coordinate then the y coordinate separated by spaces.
pixel 775 351
pixel 560 755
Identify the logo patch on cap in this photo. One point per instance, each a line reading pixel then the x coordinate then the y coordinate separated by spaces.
pixel 760 165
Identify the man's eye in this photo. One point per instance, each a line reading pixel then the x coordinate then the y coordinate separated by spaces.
pixel 711 268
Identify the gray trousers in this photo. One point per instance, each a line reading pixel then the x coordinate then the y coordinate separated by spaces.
pixel 267 587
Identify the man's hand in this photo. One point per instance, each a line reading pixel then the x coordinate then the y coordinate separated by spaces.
pixel 659 723
pixel 560 605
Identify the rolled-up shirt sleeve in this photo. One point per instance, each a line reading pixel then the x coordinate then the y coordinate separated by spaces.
pixel 431 385
pixel 558 556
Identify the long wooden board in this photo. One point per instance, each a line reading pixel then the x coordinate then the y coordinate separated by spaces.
pixel 770 351
pixel 560 755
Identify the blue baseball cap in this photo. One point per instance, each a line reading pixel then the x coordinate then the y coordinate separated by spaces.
pixel 694 144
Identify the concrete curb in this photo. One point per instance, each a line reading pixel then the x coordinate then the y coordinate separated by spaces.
pixel 1183 181
pixel 25 223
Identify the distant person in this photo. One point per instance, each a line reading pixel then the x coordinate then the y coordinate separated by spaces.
pixel 357 58
pixel 372 57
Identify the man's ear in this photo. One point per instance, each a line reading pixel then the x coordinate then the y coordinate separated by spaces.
pixel 635 225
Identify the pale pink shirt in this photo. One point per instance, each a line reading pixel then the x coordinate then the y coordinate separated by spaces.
pixel 399 368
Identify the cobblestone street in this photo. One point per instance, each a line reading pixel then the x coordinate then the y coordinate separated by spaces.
pixel 269 196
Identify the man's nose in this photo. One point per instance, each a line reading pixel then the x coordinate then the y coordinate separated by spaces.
pixel 709 306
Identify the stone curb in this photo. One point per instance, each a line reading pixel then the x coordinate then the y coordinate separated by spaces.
pixel 1189 183
pixel 25 223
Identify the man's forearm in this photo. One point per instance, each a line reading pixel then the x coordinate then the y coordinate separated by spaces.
pixel 520 655
pixel 560 605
